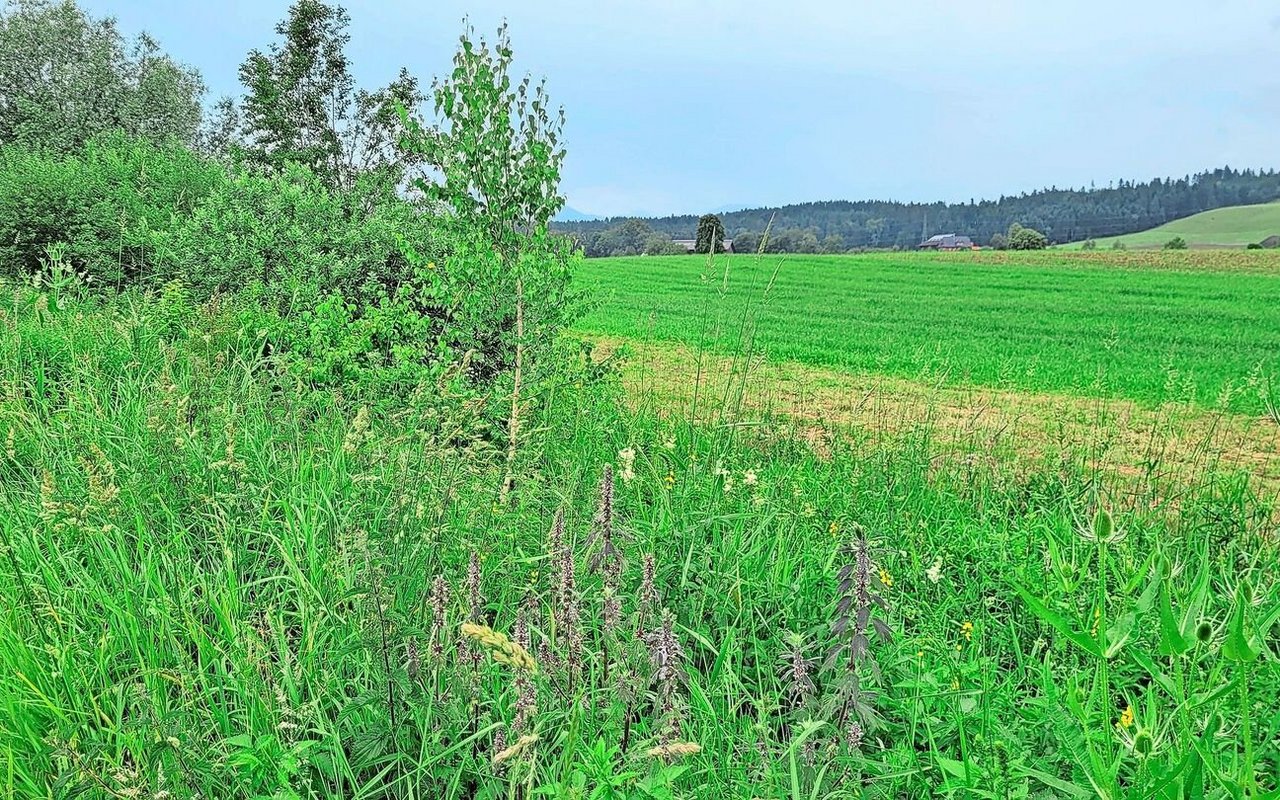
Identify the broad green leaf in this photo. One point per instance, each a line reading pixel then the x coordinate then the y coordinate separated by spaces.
pixel 1060 623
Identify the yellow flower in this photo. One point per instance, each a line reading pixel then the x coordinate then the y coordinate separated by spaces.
pixel 833 528
pixel 431 265
pixel 966 630
pixel 955 684
pixel 670 479
pixel 1126 718
pixel 919 654
pixel 886 578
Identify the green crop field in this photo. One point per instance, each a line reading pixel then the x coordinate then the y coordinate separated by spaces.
pixel 1235 226
pixel 1172 326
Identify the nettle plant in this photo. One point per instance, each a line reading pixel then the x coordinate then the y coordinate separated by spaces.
pixel 591 648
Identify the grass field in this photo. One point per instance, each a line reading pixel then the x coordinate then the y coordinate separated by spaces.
pixel 1235 226
pixel 1146 327
pixel 223 583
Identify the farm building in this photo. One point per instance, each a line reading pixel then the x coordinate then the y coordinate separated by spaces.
pixel 690 245
pixel 948 241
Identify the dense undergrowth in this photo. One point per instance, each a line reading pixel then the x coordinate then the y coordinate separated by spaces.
pixel 221 576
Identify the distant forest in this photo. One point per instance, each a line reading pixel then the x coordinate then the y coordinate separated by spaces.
pixel 1063 215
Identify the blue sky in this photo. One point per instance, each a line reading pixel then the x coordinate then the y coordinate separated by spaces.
pixel 678 107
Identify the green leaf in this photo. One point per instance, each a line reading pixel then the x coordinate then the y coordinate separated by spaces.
pixel 1060 623
pixel 1172 642
pixel 1237 646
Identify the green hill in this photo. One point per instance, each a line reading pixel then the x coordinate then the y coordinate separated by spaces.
pixel 1234 226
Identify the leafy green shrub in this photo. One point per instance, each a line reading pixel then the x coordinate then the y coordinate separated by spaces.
pixel 1089 244
pixel 105 204
pixel 1176 243
pixel 1253 246
pixel 1021 238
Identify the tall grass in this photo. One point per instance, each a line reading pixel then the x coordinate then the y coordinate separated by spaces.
pixel 219 582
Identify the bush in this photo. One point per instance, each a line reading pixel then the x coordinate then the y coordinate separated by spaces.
pixel 999 241
pixel 105 204
pixel 1253 246
pixel 1021 238
pixel 1176 243
pixel 1089 244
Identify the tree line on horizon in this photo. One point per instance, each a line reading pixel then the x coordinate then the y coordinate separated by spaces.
pixel 837 226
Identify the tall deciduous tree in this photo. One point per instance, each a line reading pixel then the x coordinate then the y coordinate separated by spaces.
pixel 302 105
pixel 498 157
pixel 66 77
pixel 710 237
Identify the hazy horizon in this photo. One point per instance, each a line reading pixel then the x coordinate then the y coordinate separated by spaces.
pixel 676 109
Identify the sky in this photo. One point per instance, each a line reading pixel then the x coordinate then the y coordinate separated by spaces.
pixel 696 105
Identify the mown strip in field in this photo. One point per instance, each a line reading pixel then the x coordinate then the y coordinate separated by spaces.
pixel 1131 446
pixel 1152 328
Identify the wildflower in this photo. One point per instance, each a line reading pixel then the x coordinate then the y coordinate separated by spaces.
pixel 966 630
pixel 522 744
pixel 886 578
pixel 853 735
pixel 413 663
pixel 675 750
pixel 1126 718
pixel 627 463
pixel 669 444
pixel 439 599
pixel 955 683
pixel 503 650
pixel 670 479
pixel 934 573
pixel 749 478
pixel 833 528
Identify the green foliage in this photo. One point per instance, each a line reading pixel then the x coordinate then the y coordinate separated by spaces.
pixel 1021 238
pixel 1089 244
pixel 107 204
pixel 922 316
pixel 1063 215
pixel 999 241
pixel 302 107
pixel 173 512
pixel 1176 243
pixel 710 235
pixel 66 78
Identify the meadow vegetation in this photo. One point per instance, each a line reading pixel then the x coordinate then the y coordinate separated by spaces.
pixel 310 488
pixel 1149 327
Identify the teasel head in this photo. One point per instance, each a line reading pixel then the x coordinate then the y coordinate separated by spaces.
pixel 439 601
